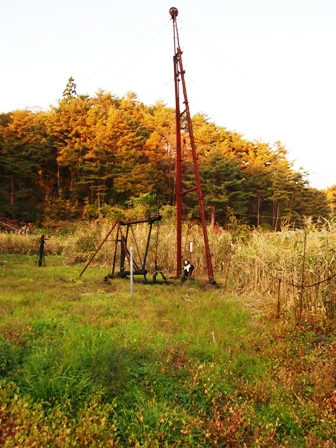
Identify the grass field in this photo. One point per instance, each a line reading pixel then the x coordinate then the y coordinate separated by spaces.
pixel 82 363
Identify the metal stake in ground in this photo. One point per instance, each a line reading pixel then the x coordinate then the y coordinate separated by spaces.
pixel 131 270
pixel 41 256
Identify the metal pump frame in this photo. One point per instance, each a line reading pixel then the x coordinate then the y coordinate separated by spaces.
pixel 121 241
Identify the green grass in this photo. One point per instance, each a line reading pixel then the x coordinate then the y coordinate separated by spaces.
pixel 84 363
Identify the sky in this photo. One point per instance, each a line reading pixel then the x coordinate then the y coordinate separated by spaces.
pixel 263 68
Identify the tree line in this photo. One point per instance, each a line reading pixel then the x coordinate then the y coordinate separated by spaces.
pixel 89 155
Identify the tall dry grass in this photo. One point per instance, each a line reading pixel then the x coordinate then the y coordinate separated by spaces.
pixel 295 269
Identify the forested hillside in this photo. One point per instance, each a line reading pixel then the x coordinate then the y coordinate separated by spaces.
pixel 89 155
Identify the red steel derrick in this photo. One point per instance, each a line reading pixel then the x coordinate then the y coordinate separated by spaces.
pixel 179 78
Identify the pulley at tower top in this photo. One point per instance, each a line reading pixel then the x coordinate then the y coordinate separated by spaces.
pixel 173 12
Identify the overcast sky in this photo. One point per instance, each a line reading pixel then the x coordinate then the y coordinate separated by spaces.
pixel 263 68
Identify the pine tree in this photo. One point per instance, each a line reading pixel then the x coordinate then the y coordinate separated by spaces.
pixel 70 90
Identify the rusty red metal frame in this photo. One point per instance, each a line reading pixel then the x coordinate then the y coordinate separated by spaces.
pixel 179 76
